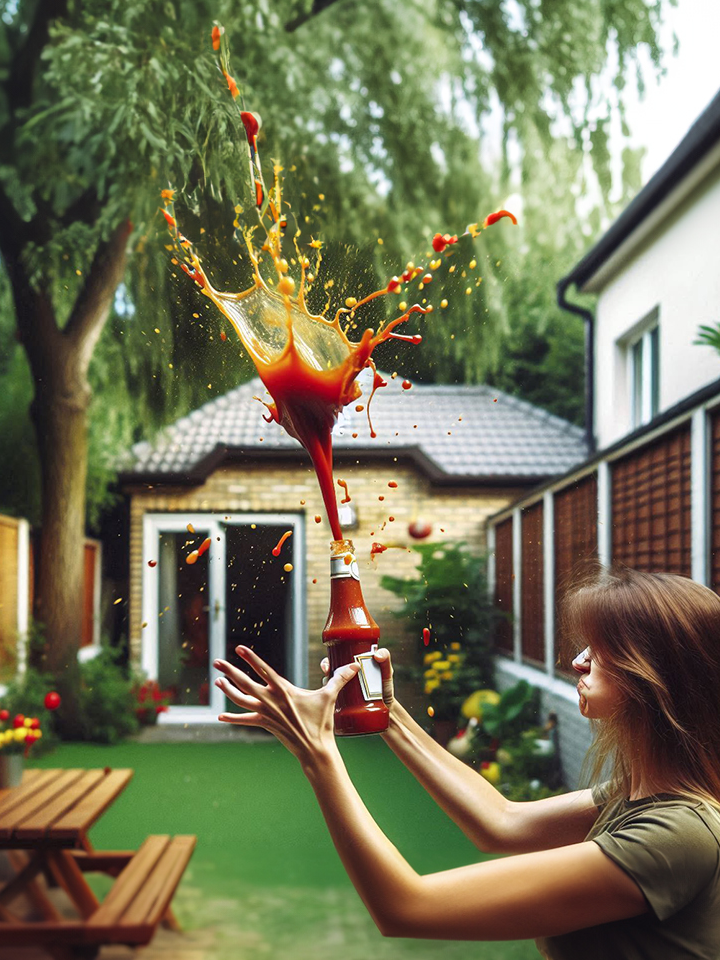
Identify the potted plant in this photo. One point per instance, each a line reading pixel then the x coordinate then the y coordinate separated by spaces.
pixel 18 733
pixel 151 701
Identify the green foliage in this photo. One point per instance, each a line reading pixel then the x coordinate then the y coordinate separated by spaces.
pixel 107 699
pixel 708 336
pixel 450 596
pixel 122 96
pixel 508 717
pixel 26 695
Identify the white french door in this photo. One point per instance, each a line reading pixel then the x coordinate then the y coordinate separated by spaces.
pixel 235 592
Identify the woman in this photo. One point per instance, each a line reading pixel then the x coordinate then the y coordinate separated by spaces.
pixel 629 869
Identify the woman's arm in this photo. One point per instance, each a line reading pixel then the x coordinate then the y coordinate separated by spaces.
pixel 539 894
pixel 493 823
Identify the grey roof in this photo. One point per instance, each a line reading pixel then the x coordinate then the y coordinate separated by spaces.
pixel 498 438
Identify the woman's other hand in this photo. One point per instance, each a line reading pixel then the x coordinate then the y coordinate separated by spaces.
pixel 301 719
pixel 382 657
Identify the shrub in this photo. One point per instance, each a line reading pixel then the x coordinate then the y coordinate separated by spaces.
pixel 450 596
pixel 26 695
pixel 107 699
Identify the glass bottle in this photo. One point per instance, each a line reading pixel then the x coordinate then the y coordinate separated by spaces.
pixel 351 635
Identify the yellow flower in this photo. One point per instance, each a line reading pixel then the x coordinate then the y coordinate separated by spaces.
pixel 430 673
pixel 448 675
pixel 454 657
pixel 472 707
pixel 20 734
pixel 491 772
pixel 431 685
pixel 442 665
pixel 433 656
pixel 455 645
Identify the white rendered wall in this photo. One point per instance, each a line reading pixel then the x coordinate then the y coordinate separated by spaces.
pixel 678 270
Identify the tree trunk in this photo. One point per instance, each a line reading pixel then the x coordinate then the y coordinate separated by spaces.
pixel 60 416
pixel 59 360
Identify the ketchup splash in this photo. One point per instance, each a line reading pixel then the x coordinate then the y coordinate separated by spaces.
pixel 306 361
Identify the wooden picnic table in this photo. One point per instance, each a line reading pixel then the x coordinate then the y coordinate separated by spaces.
pixel 44 824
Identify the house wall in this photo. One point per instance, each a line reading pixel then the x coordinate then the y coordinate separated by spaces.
pixel 677 270
pixel 456 513
pixel 653 504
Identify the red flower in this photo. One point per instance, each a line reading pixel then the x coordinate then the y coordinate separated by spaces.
pixel 161 708
pixel 4 714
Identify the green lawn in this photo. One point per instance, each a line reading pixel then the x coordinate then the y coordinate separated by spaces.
pixel 264 872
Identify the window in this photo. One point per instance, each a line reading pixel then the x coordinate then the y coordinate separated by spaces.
pixel 644 364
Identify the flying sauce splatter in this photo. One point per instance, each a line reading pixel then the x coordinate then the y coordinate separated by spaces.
pixel 279 545
pixel 426 636
pixel 347 498
pixel 306 361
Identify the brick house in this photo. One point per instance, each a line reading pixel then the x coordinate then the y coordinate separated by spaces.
pixel 649 494
pixel 457 453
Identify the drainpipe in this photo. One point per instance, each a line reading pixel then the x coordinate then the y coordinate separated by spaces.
pixel 589 319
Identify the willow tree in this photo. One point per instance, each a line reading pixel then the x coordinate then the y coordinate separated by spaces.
pixel 379 107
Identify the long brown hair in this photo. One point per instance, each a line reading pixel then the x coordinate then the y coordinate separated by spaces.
pixel 657 635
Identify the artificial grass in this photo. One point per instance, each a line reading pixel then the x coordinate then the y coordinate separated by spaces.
pixel 264 861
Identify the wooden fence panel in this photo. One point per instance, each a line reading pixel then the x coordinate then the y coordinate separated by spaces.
pixel 532 620
pixel 504 576
pixel 715 499
pixel 575 542
pixel 651 523
pixel 9 538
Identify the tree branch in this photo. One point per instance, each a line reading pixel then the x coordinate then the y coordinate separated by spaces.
pixel 20 82
pixel 92 306
pixel 318 7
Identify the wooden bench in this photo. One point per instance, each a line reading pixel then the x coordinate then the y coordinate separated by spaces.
pixel 131 912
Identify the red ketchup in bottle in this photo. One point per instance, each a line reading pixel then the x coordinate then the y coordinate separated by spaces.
pixel 352 635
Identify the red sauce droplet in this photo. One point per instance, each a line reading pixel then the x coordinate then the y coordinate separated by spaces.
pixel 377 548
pixel 426 636
pixel 314 579
pixel 347 498
pixel 204 546
pixel 278 547
pixel 391 519
pixel 152 563
pixel 318 518
pixel 223 335
pixel 406 385
pixel 392 483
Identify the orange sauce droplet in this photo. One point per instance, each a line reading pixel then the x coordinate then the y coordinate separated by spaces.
pixel 392 483
pixel 192 557
pixel 278 546
pixel 204 546
pixel 318 518
pixel 288 567
pixel 347 498
pixel 190 528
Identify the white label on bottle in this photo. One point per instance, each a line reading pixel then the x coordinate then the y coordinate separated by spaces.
pixel 338 568
pixel 370 675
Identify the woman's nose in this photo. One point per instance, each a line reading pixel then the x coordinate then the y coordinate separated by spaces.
pixel 581 663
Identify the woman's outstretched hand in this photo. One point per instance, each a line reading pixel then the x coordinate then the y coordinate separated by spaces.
pixel 301 719
pixel 382 657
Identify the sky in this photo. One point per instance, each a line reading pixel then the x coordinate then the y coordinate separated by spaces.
pixel 671 106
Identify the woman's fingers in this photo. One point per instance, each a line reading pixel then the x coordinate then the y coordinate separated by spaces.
pixel 232 693
pixel 259 665
pixel 382 657
pixel 240 679
pixel 342 676
pixel 242 719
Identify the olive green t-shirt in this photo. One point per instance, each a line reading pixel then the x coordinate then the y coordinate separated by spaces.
pixel 671 848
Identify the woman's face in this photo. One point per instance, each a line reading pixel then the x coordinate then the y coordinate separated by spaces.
pixel 599 695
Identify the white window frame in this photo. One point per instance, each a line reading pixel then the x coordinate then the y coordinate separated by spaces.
pixel 642 338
